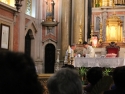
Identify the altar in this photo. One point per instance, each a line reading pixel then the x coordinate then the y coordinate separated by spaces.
pixel 99 62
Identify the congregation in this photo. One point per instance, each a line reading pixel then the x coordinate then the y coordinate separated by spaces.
pixel 18 76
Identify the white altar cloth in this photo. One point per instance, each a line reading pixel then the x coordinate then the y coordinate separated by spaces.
pixel 99 62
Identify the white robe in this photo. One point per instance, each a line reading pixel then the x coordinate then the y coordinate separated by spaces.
pixel 89 51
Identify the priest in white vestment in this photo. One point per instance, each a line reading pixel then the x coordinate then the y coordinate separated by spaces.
pixel 88 50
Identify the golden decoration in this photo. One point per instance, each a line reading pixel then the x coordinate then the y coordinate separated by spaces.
pixel 91 33
pixel 80 35
pixel 100 35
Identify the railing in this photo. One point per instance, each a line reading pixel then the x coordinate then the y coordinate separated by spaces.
pixel 43 79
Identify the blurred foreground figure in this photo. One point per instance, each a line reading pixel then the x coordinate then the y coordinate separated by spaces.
pixel 65 81
pixel 18 74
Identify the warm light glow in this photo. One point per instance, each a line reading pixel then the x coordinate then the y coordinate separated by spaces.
pixel 114 29
pixel 12 3
pixel 9 2
pixel 94 41
pixel 113 33
pixel 105 2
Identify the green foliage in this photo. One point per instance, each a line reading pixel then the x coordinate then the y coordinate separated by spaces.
pixel 107 71
pixel 82 71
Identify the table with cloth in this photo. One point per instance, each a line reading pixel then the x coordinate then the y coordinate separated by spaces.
pixel 99 62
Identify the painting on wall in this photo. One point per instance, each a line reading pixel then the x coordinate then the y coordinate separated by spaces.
pixel 4 36
pixel 96 24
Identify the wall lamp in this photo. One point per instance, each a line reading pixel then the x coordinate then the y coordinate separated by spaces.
pixel 18 4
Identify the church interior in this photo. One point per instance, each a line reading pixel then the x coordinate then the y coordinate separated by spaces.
pixel 44 29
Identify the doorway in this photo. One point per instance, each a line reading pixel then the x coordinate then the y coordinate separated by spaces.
pixel 49 58
pixel 28 43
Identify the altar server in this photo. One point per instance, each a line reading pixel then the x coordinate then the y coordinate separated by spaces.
pixel 88 50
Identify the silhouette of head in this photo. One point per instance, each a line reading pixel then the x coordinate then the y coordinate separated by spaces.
pixel 94 75
pixel 18 74
pixel 65 81
pixel 119 77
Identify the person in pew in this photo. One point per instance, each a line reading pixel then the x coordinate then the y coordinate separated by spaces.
pixel 94 74
pixel 18 74
pixel 119 81
pixel 88 50
pixel 65 81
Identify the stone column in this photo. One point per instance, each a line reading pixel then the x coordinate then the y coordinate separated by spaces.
pixel 65 26
pixel 104 18
pixel 22 27
pixel 78 19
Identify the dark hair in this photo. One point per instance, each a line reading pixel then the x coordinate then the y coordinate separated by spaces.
pixel 94 75
pixel 73 44
pixel 18 74
pixel 85 42
pixel 119 77
pixel 65 81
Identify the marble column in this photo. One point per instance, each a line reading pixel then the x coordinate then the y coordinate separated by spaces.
pixel 78 19
pixel 104 18
pixel 65 25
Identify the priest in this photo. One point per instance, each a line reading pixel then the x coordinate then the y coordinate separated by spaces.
pixel 88 51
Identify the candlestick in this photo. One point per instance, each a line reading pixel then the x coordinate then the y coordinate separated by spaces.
pixel 80 35
pixel 72 53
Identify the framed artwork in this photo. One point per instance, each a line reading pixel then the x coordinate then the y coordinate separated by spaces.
pixel 4 36
pixel 96 24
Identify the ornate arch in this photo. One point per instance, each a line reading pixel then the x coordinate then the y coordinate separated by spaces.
pixel 32 27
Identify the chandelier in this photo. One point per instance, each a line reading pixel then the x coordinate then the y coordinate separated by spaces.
pixel 18 4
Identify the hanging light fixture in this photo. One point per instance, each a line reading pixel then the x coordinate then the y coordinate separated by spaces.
pixel 18 4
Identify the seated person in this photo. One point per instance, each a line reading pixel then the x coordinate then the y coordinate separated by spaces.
pixel 18 74
pixel 119 81
pixel 65 81
pixel 88 50
pixel 93 76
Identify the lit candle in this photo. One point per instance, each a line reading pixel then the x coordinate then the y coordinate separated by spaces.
pixel 69 49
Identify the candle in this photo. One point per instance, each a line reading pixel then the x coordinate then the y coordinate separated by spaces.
pixel 72 53
pixel 69 49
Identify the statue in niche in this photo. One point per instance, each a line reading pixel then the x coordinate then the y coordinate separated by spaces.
pixel 50 10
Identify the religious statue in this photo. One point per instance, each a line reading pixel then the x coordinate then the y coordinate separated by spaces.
pixel 50 10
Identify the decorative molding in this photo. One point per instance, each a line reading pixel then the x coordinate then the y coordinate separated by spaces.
pixel 6 19
pixel 49 40
pixel 108 9
pixel 31 25
pixel 7 7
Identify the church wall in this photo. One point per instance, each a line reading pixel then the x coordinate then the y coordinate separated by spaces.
pixel 8 17
pixel 6 13
pixel 20 23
